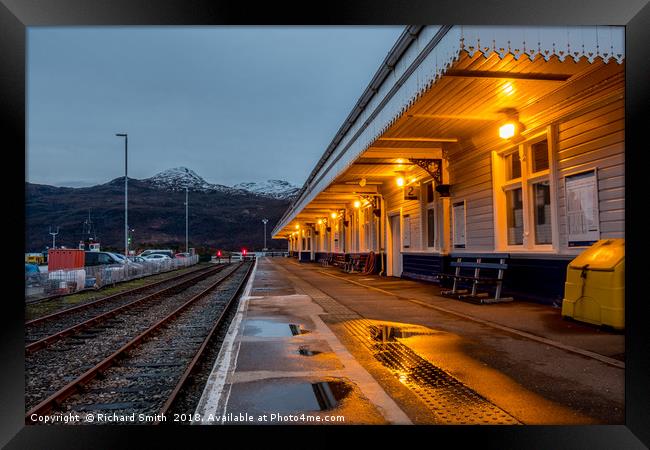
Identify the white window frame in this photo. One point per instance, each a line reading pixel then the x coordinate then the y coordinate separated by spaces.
pixel 525 182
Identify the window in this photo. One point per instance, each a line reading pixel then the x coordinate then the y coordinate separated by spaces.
pixel 524 209
pixel 515 211
pixel 431 222
pixel 429 215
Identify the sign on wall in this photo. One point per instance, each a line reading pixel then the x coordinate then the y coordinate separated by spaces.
pixel 406 234
pixel 583 216
pixel 458 217
pixel 411 192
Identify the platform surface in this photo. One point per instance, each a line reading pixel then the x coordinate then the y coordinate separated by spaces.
pixel 313 345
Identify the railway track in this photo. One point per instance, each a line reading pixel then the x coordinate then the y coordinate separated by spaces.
pixel 51 367
pixel 36 312
pixel 44 330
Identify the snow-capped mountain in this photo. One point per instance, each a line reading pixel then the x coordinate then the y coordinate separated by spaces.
pixel 178 178
pixel 279 189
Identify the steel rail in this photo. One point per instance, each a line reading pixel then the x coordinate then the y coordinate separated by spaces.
pixel 36 345
pixel 75 385
pixel 111 297
pixel 199 353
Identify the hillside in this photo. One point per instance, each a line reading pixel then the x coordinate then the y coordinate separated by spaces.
pixel 220 217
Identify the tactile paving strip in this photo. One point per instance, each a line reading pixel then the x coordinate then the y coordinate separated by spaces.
pixel 451 402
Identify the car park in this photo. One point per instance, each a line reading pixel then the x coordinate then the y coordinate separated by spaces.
pixel 148 252
pixel 137 259
pixel 101 259
pixel 157 257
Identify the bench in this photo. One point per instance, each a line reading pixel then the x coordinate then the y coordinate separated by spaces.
pixel 327 259
pixel 475 263
pixel 357 263
pixel 339 260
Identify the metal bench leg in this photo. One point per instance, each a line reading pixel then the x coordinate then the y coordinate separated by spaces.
pixel 477 272
pixel 457 274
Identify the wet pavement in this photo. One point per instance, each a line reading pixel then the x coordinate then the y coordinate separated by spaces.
pixel 313 345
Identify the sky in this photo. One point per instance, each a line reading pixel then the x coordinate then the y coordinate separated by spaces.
pixel 234 104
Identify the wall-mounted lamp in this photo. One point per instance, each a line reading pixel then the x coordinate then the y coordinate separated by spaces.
pixel 400 179
pixel 357 204
pixel 511 127
pixel 507 130
pixel 297 227
pixel 334 215
pixel 362 182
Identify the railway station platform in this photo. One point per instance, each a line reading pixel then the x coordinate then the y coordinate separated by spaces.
pixel 310 344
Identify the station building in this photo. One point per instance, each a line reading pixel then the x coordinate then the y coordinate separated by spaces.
pixel 475 140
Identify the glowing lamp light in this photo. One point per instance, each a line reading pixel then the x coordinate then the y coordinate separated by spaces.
pixel 362 183
pixel 320 221
pixel 333 215
pixel 400 181
pixel 357 203
pixel 507 130
pixel 297 227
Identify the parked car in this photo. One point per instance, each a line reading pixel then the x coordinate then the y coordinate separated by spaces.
pixel 167 252
pixel 137 259
pixel 182 255
pixel 101 259
pixel 157 257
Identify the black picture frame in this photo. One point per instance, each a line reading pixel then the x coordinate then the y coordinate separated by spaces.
pixel 16 15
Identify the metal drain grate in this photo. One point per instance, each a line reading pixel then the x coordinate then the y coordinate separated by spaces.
pixel 450 400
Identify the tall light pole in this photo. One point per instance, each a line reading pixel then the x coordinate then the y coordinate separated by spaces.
pixel 264 222
pixel 126 192
pixel 187 246
pixel 54 236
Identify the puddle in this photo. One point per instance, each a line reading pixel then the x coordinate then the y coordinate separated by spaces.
pixel 272 328
pixel 305 351
pixel 297 329
pixel 287 398
pixel 267 328
pixel 386 333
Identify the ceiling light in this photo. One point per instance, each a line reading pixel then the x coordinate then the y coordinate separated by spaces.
pixel 508 130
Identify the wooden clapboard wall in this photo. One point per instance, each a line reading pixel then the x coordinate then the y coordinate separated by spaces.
pixel 588 117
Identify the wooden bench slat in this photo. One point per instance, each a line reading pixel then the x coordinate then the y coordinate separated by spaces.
pixel 481 265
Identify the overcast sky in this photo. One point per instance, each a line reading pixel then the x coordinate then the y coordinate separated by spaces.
pixel 234 104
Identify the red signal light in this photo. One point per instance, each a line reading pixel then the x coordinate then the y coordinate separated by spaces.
pixel 219 253
pixel 243 250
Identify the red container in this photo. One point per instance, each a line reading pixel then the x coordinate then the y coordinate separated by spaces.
pixel 61 259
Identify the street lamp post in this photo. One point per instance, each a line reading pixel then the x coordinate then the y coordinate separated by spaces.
pixel 187 246
pixel 264 222
pixel 54 236
pixel 126 192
